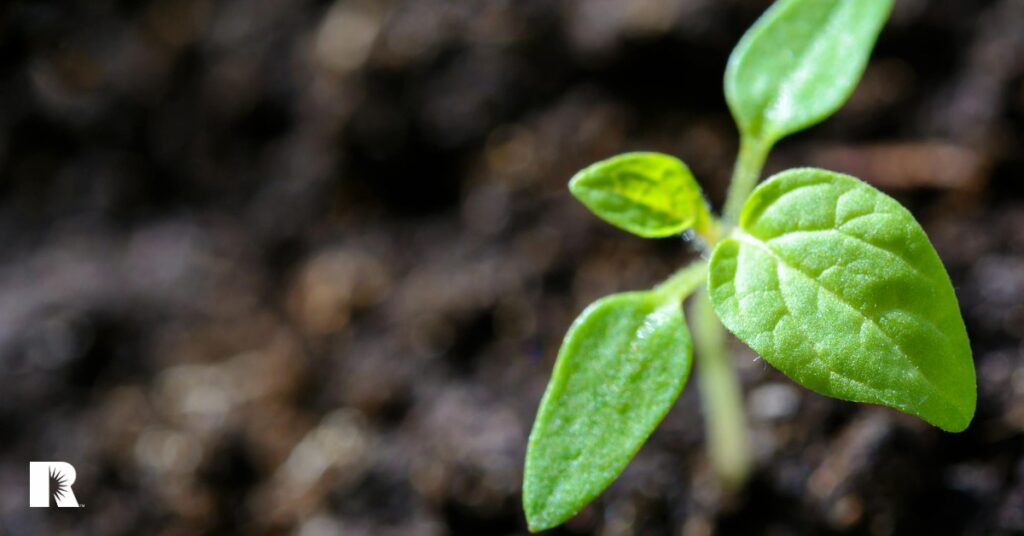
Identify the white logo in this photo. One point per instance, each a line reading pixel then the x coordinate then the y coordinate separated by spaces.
pixel 51 480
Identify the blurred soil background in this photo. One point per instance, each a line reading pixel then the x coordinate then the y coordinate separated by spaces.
pixel 283 267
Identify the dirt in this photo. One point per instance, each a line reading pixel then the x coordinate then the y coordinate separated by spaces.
pixel 303 267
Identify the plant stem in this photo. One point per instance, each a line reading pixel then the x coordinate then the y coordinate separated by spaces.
pixel 725 420
pixel 682 283
pixel 749 162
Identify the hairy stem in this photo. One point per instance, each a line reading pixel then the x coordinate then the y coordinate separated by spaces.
pixel 724 417
pixel 749 162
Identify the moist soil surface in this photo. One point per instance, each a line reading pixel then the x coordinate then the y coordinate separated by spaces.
pixel 304 267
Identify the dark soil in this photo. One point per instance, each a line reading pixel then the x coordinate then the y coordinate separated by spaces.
pixel 300 267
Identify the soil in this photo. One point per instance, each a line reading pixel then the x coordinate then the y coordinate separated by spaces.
pixel 303 267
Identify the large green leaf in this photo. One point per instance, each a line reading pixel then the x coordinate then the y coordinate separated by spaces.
pixel 799 63
pixel 623 363
pixel 652 195
pixel 836 285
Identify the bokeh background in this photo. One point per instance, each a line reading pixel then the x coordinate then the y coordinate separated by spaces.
pixel 293 267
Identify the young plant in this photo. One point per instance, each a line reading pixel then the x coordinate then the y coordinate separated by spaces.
pixel 828 279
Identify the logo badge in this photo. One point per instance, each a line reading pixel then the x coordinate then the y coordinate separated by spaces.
pixel 50 483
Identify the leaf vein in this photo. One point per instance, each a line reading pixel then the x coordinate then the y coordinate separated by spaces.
pixel 906 262
pixel 757 243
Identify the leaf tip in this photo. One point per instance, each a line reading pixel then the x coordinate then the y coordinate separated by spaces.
pixel 956 429
pixel 538 516
pixel 576 186
pixel 536 503
pixel 962 401
pixel 535 526
pixel 959 421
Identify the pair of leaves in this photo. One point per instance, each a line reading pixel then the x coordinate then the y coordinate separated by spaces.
pixel 795 66
pixel 831 281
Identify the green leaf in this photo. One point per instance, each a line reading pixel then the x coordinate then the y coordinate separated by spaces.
pixel 652 195
pixel 799 63
pixel 622 365
pixel 836 285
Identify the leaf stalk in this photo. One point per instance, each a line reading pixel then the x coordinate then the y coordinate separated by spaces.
pixel 682 283
pixel 752 155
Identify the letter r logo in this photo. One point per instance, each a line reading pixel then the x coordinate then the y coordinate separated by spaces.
pixel 51 480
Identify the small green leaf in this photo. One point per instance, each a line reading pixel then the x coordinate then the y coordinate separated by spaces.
pixel 622 365
pixel 799 63
pixel 652 195
pixel 836 285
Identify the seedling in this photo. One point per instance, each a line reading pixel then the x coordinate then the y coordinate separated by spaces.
pixel 828 279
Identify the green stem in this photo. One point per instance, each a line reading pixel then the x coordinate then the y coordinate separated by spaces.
pixel 725 420
pixel 682 283
pixel 749 162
